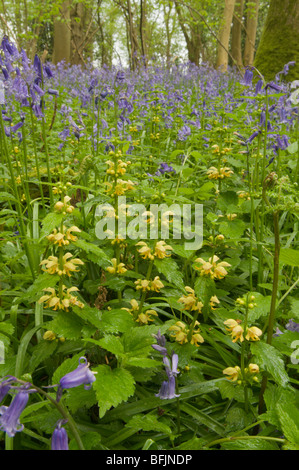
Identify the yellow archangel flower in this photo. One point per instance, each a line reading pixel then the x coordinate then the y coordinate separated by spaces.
pixel 161 250
pixel 181 333
pixel 212 268
pixel 235 329
pixel 53 300
pixel 156 284
pixel 64 206
pixel 144 318
pixel 253 368
pixel 52 265
pixel 233 373
pixel 253 333
pixel 63 238
pixel 190 301
pixel 145 251
pixel 116 268
pixel 143 284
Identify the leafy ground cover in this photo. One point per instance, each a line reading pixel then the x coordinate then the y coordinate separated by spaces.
pixel 141 340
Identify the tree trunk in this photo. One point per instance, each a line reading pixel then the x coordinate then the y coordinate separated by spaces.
pixel 236 47
pixel 62 35
pixel 280 39
pixel 224 34
pixel 143 20
pixel 132 37
pixel 192 37
pixel 251 25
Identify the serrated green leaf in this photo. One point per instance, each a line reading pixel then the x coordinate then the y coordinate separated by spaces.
pixel 169 268
pixel 270 359
pixel 112 387
pixel 289 256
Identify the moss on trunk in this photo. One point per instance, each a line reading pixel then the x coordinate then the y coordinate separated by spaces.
pixel 280 40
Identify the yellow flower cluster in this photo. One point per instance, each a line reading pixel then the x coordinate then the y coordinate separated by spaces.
pixel 64 237
pixel 215 174
pixel 237 332
pixel 119 188
pixel 146 285
pixel 181 331
pixel 160 250
pixel 234 374
pixel 116 268
pixel 64 302
pixel 211 268
pixel 64 206
pixel 64 267
pixel 190 301
pixel 143 317
pixel 118 168
pixel 51 336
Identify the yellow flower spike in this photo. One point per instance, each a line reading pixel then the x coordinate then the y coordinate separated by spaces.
pixel 237 334
pixel 142 284
pixel 51 264
pixel 149 217
pixel 180 332
pixel 225 172
pixel 144 318
pixel 161 249
pixel 231 324
pixel 70 266
pixel 156 284
pixel 49 335
pixel 231 216
pixel 145 251
pixel 253 333
pixel 232 372
pixel 116 268
pixel 214 301
pixel 253 368
pixel 69 235
pixel 197 338
pixel 213 173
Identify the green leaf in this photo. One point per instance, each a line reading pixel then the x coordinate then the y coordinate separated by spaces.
pixel 115 321
pixel 270 359
pixel 112 387
pixel 289 256
pixel 93 253
pixel 203 418
pixel 289 419
pixel 242 443
pixel 113 344
pixel 169 268
pixel 67 325
pixel 148 423
pixel 51 221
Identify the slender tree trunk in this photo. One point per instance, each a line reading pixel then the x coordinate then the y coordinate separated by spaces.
pixel 62 35
pixel 132 36
pixel 236 44
pixel 192 38
pixel 77 33
pixel 280 39
pixel 251 26
pixel 224 35
pixel 143 30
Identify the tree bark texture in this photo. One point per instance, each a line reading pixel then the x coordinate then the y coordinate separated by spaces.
pixel 236 41
pixel 280 39
pixel 251 26
pixel 224 35
pixel 62 35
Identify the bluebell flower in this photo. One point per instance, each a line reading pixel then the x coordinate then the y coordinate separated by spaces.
pixel 37 65
pixel 164 168
pixel 5 386
pixel 184 133
pixel 167 390
pixel 248 76
pixel 10 415
pixel 59 439
pixel 292 326
pixel 258 86
pixel 273 86
pixel 282 142
pixel 80 376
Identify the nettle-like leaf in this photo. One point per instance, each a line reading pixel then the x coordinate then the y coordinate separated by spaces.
pixel 289 419
pixel 289 256
pixel 270 360
pixel 169 268
pixel 112 386
pixel 148 423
